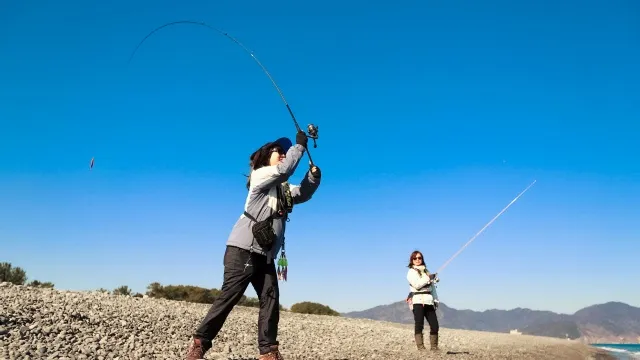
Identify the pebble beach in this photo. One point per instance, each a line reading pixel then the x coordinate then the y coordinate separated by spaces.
pixel 42 323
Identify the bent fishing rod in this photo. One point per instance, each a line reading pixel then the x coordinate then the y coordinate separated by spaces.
pixel 481 230
pixel 312 130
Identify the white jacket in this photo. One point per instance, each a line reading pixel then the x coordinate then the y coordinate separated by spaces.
pixel 420 281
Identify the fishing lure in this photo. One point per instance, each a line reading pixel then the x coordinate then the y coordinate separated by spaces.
pixel 283 265
pixel 312 130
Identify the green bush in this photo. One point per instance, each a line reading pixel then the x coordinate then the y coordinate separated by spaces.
pixel 194 294
pixel 37 283
pixel 18 276
pixel 307 307
pixel 122 290
pixel 189 293
pixel 14 275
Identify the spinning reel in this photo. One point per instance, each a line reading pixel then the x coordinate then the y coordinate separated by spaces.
pixel 312 130
pixel 312 133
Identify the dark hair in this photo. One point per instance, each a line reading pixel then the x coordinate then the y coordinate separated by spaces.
pixel 260 158
pixel 413 256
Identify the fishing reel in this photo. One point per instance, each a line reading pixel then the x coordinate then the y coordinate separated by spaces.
pixel 434 278
pixel 312 133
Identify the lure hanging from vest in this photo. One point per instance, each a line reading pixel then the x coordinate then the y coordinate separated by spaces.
pixel 282 266
pixel 285 198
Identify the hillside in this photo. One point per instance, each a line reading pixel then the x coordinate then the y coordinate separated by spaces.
pixel 47 323
pixel 611 322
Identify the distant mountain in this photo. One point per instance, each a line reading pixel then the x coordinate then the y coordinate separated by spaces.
pixel 612 322
pixel 560 329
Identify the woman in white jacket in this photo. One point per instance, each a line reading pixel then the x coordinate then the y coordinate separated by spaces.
pixel 423 298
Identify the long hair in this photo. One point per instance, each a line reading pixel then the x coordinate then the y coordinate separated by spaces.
pixel 413 256
pixel 259 158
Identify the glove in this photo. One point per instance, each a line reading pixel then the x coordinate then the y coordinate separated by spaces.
pixel 315 171
pixel 435 304
pixel 433 278
pixel 301 139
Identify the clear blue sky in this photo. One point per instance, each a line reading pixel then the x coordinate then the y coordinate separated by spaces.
pixel 433 115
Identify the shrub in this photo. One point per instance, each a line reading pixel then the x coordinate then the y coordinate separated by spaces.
pixel 37 283
pixel 194 294
pixel 14 275
pixel 307 307
pixel 122 290
pixel 18 276
pixel 187 293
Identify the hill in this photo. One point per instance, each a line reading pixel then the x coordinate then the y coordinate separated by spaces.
pixel 612 322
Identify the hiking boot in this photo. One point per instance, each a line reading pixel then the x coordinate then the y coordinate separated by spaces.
pixel 434 342
pixel 196 350
pixel 419 342
pixel 274 354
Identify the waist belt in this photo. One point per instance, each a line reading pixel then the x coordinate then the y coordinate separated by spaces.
pixel 427 292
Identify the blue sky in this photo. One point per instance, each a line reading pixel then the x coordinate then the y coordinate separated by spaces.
pixel 432 115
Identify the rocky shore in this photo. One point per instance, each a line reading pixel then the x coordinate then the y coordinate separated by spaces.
pixel 40 323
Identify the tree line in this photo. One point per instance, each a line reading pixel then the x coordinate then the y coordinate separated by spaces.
pixel 18 276
pixel 188 293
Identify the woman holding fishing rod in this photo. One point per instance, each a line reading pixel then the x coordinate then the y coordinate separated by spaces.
pixel 258 234
pixel 254 242
pixel 423 299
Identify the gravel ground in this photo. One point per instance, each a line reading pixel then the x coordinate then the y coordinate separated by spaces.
pixel 52 324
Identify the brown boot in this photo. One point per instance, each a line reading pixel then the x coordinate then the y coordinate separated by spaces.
pixel 196 350
pixel 434 342
pixel 274 354
pixel 419 342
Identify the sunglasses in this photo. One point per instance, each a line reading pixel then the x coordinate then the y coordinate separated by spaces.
pixel 278 150
pixel 417 258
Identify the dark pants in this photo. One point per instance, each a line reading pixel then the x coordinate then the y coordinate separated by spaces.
pixel 420 312
pixel 237 277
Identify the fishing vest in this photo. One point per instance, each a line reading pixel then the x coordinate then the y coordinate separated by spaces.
pixel 284 200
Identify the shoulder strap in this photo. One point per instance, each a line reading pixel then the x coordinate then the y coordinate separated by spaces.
pixel 254 219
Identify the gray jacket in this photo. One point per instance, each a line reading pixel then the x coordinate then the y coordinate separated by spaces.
pixel 262 198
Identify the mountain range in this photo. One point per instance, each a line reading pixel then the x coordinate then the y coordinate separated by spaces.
pixel 612 322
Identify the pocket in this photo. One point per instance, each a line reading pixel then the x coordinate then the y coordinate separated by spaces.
pixel 264 234
pixel 234 257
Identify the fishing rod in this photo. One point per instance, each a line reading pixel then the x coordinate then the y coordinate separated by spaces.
pixel 312 130
pixel 481 230
pixel 434 276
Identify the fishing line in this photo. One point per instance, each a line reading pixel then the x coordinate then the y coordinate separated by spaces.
pixel 486 226
pixel 312 130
